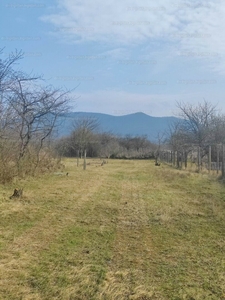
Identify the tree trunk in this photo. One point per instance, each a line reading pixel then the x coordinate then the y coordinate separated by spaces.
pixel 84 159
pixel 78 158
pixel 185 159
pixel 209 160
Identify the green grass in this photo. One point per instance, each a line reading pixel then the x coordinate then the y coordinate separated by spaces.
pixel 126 230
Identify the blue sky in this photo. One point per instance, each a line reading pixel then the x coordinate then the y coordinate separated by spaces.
pixel 122 56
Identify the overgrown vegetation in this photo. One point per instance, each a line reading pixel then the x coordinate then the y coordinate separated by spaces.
pixel 126 230
pixel 28 114
pixel 201 126
pixel 105 145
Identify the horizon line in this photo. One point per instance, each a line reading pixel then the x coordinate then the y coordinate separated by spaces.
pixel 122 115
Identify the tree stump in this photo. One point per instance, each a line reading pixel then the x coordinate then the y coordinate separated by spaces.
pixel 17 193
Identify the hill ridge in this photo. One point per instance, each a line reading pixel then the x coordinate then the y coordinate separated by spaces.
pixel 134 124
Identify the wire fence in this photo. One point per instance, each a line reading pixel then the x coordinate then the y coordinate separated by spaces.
pixel 209 158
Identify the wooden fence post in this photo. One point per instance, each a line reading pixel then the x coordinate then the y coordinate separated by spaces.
pixel 78 158
pixel 191 158
pixel 210 159
pixel 178 163
pixel 199 159
pixel 223 166
pixel 185 159
pixel 84 160
pixel 174 158
pixel 181 159
pixel 217 158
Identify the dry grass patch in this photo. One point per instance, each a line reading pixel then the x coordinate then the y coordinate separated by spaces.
pixel 126 230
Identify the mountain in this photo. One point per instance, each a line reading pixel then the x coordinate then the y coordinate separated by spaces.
pixel 133 124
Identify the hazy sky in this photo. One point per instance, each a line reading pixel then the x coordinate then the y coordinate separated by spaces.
pixel 122 56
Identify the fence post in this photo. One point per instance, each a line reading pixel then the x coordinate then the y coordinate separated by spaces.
pixel 182 159
pixel 191 158
pixel 174 158
pixel 223 167
pixel 78 158
pixel 178 157
pixel 199 158
pixel 209 159
pixel 217 158
pixel 84 160
pixel 185 159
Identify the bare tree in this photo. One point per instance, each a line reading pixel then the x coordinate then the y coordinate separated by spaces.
pixel 109 145
pixel 28 112
pixel 34 111
pixel 160 141
pixel 197 121
pixel 7 71
pixel 7 79
pixel 82 136
pixel 199 127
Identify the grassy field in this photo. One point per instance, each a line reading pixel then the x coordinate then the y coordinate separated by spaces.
pixel 125 230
